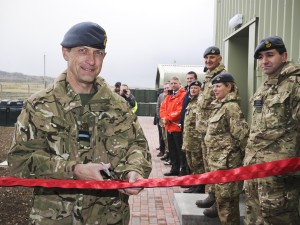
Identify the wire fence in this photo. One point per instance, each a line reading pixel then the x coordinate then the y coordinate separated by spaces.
pixel 146 99
pixel 18 90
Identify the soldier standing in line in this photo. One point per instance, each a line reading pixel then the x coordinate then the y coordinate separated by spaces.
pixel 76 129
pixel 214 67
pixel 191 143
pixel 225 139
pixel 190 77
pixel 274 135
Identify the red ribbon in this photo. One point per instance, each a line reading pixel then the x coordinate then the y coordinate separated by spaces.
pixel 273 168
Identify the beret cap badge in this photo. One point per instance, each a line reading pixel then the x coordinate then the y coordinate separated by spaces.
pixel 105 40
pixel 195 83
pixel 212 50
pixel 222 78
pixel 268 44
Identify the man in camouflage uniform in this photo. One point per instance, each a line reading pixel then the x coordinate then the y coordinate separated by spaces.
pixel 225 139
pixel 191 143
pixel 274 135
pixel 214 67
pixel 75 129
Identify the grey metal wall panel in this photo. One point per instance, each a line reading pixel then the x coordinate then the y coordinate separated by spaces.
pixel 145 95
pixel 276 17
pixel 146 109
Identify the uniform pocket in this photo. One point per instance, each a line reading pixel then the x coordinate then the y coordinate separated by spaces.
pixel 52 206
pixel 56 133
pixel 275 110
pixel 109 123
pixel 234 158
pixel 215 124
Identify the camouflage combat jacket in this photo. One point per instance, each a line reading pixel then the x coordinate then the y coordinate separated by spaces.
pixel 191 139
pixel 54 132
pixel 226 135
pixel 204 108
pixel 274 133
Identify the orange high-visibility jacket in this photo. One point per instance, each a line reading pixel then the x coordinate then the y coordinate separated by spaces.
pixel 170 110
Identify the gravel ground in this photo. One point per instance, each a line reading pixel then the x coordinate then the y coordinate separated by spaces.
pixel 15 202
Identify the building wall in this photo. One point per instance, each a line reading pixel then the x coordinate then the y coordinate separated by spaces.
pixel 275 17
pixel 260 18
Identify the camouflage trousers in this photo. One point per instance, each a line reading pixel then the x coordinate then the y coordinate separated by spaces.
pixel 195 161
pixel 72 221
pixel 95 218
pixel 272 201
pixel 164 135
pixel 211 187
pixel 227 199
pixel 65 207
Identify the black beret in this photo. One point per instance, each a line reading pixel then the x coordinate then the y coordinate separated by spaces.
pixel 222 78
pixel 212 50
pixel 195 83
pixel 273 42
pixel 117 84
pixel 85 34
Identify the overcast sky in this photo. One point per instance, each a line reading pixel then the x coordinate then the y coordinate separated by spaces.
pixel 141 35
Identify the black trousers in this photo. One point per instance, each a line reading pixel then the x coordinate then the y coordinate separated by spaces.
pixel 177 156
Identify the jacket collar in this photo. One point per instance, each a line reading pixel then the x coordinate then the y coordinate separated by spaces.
pixel 68 98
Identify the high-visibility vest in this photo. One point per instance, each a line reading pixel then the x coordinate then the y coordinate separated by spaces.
pixel 135 107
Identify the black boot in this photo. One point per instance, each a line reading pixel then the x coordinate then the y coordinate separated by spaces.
pixel 160 154
pixel 208 202
pixel 211 212
pixel 199 189
pixel 190 190
pixel 165 156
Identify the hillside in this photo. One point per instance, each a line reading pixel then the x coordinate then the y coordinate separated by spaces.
pixel 22 78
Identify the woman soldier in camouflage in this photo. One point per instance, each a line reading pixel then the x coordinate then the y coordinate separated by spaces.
pixel 225 138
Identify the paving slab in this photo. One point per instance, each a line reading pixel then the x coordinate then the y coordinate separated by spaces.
pixel 190 214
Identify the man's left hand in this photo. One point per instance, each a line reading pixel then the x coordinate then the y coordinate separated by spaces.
pixel 132 177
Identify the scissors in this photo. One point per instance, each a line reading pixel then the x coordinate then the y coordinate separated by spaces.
pixel 106 173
